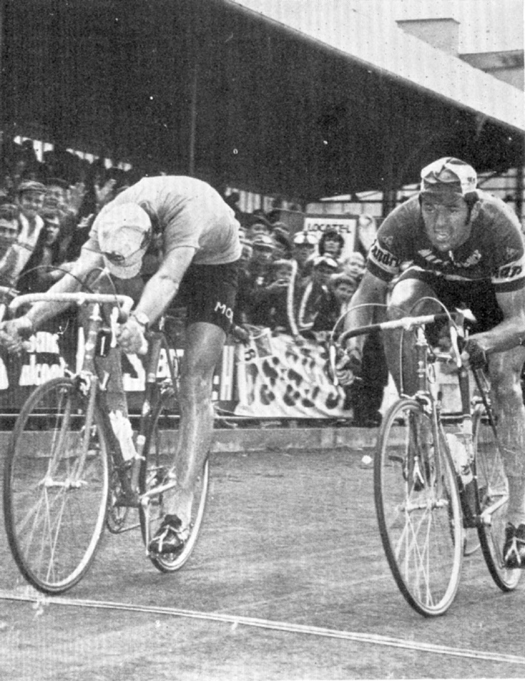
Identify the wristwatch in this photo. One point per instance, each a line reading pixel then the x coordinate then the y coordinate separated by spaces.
pixel 141 318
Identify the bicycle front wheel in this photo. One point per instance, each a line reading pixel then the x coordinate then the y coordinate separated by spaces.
pixel 55 487
pixel 159 457
pixel 418 508
pixel 493 493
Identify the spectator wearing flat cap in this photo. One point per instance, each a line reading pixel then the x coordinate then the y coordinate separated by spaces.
pixel 30 199
pixel 343 286
pixel 257 224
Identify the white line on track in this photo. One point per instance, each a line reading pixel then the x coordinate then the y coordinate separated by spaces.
pixel 29 594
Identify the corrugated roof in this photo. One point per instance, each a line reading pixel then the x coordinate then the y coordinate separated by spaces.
pixel 385 47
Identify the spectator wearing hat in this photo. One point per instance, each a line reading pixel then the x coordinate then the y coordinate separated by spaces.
pixel 343 287
pixel 313 294
pixel 263 249
pixel 258 224
pixel 319 308
pixel 255 277
pixel 304 244
pixel 30 199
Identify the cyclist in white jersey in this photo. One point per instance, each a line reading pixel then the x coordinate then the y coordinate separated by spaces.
pixel 201 249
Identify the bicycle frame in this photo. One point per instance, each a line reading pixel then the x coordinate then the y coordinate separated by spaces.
pixel 425 394
pixel 83 468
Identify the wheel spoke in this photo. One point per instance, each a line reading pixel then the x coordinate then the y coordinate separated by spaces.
pixel 55 493
pixel 158 458
pixel 493 496
pixel 418 509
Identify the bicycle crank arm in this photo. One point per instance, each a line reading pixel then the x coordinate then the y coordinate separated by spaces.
pixel 485 517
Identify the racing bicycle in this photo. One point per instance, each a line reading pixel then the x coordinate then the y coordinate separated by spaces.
pixel 436 475
pixel 67 476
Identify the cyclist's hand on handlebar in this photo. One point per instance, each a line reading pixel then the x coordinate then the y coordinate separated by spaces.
pixel 348 367
pixel 130 336
pixel 14 332
pixel 473 356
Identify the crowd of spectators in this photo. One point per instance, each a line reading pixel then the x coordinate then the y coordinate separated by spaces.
pixel 51 205
pixel 294 282
pixel 291 282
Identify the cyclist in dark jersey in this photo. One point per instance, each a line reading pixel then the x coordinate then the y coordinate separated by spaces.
pixel 463 247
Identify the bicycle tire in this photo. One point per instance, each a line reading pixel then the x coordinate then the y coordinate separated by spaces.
pixel 418 508
pixel 491 486
pixel 54 497
pixel 158 459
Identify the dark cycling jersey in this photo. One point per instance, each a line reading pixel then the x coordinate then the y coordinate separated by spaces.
pixel 494 251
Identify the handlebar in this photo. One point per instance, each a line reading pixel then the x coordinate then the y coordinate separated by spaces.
pixel 79 298
pixel 405 323
pixel 455 319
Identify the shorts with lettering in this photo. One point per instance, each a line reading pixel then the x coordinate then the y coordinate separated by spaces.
pixel 477 296
pixel 209 292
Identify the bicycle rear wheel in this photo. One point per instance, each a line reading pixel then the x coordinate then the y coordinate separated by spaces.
pixel 418 508
pixel 55 487
pixel 492 489
pixel 158 459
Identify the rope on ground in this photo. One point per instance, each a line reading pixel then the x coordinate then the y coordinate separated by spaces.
pixel 376 639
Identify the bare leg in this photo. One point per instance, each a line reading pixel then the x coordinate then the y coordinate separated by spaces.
pixel 505 372
pixel 204 343
pixel 409 297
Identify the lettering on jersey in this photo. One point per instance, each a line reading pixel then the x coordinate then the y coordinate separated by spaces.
pixel 383 258
pixel 509 272
pixel 437 262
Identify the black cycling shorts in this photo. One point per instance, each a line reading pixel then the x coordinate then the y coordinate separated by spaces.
pixel 208 292
pixel 477 296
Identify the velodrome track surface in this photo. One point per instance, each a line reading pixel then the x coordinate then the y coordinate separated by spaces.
pixel 288 582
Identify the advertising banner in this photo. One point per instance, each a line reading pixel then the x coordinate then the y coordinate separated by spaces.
pixel 271 376
pixel 282 377
pixel 344 224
